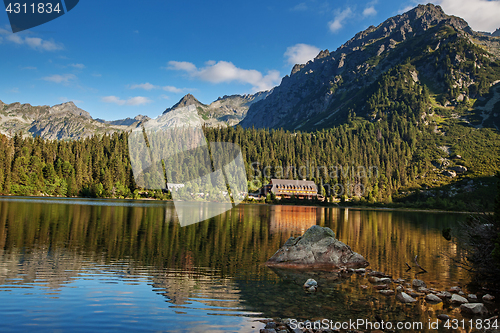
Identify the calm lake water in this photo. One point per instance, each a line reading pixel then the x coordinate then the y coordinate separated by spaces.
pixel 70 265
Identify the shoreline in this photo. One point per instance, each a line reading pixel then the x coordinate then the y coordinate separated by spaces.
pixel 395 209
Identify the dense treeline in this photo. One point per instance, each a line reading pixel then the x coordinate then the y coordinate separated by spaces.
pixel 97 166
pixel 356 159
pixel 390 158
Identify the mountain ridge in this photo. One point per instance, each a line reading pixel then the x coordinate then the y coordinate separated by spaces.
pixel 323 91
pixel 63 121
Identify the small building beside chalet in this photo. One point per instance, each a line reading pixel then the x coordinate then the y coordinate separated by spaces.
pixel 286 188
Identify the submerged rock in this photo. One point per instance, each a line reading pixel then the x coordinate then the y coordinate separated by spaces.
pixel 474 309
pixel 433 298
pixel 310 283
pixel 317 247
pixel 405 298
pixel 457 299
pixel 443 317
pixel 444 294
pixel 376 280
pixel 418 283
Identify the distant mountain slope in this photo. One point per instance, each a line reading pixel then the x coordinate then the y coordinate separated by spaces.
pixel 227 110
pixel 441 54
pixel 67 121
pixel 64 121
pixel 125 122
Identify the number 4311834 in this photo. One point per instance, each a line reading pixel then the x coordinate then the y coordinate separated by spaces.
pixel 40 8
pixel 472 323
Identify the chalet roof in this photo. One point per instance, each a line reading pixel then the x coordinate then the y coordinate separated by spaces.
pixel 291 184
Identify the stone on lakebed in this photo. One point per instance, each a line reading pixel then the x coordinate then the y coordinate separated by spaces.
pixel 474 309
pixel 316 247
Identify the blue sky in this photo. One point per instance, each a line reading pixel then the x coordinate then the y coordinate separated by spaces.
pixel 117 59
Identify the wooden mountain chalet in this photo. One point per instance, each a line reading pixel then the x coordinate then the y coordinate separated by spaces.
pixel 286 188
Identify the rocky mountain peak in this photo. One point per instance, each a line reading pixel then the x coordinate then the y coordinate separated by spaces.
pixel 185 101
pixel 71 108
pixel 322 54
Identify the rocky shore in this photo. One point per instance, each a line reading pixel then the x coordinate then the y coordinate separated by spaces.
pixel 472 306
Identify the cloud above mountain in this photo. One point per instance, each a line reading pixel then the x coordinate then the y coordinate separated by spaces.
pixel 482 15
pixel 300 53
pixel 339 19
pixel 138 100
pixel 227 72
pixel 148 86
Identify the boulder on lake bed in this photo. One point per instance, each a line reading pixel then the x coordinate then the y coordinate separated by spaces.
pixel 457 299
pixel 310 283
pixel 405 298
pixel 317 247
pixel 376 280
pixel 474 309
pixel 418 283
pixel 433 298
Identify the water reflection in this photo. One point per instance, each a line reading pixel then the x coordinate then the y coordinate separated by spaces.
pixel 133 261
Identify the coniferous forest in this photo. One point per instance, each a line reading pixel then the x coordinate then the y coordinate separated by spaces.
pixel 396 160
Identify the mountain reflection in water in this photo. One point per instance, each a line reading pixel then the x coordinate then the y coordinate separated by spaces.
pixel 110 264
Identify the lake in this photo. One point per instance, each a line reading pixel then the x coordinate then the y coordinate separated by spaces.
pixel 85 265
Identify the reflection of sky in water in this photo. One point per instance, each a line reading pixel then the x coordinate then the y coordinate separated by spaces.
pixel 118 297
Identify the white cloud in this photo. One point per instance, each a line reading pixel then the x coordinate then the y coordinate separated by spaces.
pixel 15 39
pixel 34 42
pixel 340 17
pixel 300 53
pixel 42 45
pixel 148 86
pixel 138 100
pixel 369 11
pixel 482 15
pixel 145 86
pixel 14 90
pixel 96 75
pixel 173 89
pixel 64 79
pixel 30 68
pixel 79 66
pixel 181 66
pixel 225 72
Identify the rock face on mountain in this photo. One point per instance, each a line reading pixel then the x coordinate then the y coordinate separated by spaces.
pixel 227 110
pixel 317 247
pixel 321 93
pixel 125 122
pixel 184 102
pixel 63 121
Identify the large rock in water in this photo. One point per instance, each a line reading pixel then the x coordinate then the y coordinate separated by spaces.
pixel 317 247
